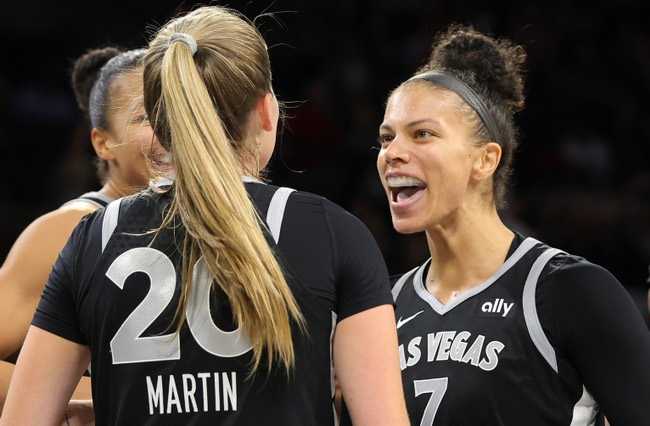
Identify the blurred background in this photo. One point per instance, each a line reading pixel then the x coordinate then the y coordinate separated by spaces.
pixel 581 178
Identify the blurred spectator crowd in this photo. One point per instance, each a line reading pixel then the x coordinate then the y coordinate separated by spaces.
pixel 581 180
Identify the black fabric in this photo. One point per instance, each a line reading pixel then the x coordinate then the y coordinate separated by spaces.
pixel 332 265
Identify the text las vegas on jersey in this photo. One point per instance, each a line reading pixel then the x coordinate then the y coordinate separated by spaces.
pixel 451 345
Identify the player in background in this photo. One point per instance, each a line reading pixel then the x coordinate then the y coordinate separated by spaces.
pixel 496 328
pixel 214 298
pixel 108 88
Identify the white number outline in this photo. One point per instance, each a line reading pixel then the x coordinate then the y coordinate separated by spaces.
pixel 437 388
pixel 128 345
pixel 225 344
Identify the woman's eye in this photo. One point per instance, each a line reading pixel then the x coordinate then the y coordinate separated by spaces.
pixel 423 134
pixel 384 139
pixel 141 119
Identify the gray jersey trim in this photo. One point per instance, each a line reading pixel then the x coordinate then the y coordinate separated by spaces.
pixel 441 309
pixel 332 369
pixel 97 199
pixel 585 410
pixel 275 214
pixel 530 308
pixel 111 216
pixel 165 181
pixel 168 180
pixel 400 283
pixel 250 179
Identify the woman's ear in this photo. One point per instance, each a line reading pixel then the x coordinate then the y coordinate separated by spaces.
pixel 487 161
pixel 269 112
pixel 100 139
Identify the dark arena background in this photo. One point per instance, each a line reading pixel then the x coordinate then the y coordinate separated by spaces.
pixel 581 182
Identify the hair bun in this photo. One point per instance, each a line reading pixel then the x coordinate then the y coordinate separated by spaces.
pixel 85 72
pixel 493 67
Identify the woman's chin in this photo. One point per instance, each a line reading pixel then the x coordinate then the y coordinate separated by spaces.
pixel 406 226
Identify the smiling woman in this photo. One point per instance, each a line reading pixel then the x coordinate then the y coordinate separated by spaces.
pixel 108 87
pixel 495 327
pixel 425 158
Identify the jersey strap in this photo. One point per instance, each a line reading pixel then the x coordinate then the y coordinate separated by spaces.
pixel 164 181
pixel 400 283
pixel 275 214
pixel 95 198
pixel 111 215
pixel 530 308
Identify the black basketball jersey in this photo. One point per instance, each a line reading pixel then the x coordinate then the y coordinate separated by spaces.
pixel 115 288
pixel 511 352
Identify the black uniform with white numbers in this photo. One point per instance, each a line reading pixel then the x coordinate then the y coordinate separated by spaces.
pixel 115 288
pixel 549 339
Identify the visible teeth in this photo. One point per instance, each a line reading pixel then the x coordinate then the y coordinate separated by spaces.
pixel 401 181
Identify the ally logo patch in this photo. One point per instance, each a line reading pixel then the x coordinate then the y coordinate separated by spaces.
pixel 497 307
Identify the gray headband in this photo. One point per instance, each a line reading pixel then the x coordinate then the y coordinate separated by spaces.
pixel 469 96
pixel 99 99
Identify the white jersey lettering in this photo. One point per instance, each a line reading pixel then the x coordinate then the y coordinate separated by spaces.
pixel 499 306
pixel 165 398
pixel 454 346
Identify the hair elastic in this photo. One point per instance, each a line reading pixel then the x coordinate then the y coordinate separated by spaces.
pixel 185 38
pixel 466 93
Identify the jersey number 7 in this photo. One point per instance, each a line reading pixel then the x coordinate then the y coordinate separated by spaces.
pixel 437 389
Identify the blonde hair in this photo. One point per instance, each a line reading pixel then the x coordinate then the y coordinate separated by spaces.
pixel 200 107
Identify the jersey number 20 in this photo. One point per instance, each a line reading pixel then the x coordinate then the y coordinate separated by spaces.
pixel 127 345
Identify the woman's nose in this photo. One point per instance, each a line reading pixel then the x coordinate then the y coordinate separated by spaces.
pixel 396 152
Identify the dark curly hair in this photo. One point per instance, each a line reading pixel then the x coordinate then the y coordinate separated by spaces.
pixel 85 72
pixel 493 68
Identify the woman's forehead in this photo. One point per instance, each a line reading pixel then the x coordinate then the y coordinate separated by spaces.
pixel 127 91
pixel 420 101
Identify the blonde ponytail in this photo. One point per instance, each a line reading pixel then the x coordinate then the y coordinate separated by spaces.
pixel 210 198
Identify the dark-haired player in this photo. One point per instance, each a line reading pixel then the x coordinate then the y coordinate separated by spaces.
pixel 108 87
pixel 495 328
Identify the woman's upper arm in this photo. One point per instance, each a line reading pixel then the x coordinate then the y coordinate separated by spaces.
pixel 606 341
pixel 48 369
pixel 25 271
pixel 367 367
pixel 365 340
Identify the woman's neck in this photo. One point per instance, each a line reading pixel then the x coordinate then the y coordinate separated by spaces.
pixel 465 254
pixel 117 190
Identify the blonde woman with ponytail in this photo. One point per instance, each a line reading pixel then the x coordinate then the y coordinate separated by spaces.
pixel 214 298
